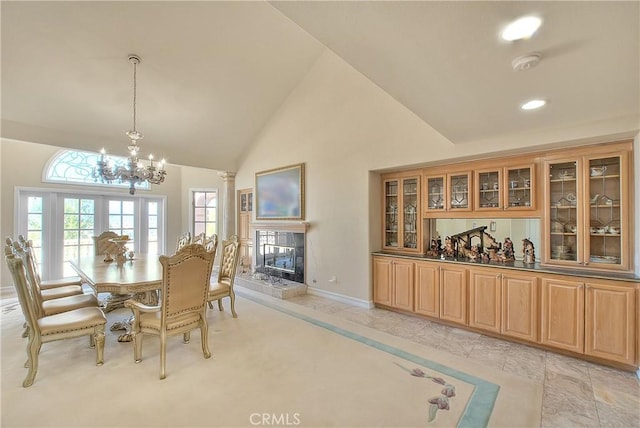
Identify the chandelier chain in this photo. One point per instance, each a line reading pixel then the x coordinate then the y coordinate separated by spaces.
pixel 135 68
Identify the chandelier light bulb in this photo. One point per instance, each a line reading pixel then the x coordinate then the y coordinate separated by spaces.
pixel 522 28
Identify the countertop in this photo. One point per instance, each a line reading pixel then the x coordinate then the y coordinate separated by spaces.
pixel 521 266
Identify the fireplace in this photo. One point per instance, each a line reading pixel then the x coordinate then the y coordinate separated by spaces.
pixel 280 250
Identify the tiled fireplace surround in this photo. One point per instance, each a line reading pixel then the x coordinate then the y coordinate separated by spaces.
pixel 284 276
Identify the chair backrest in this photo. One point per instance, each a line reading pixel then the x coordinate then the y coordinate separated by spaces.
pixel 211 243
pixel 102 243
pixel 15 263
pixel 183 240
pixel 229 260
pixel 33 277
pixel 185 281
pixel 199 238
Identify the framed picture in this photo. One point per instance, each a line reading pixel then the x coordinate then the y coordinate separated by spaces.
pixel 280 193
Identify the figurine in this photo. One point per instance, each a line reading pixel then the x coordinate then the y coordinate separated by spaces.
pixel 473 253
pixel 434 250
pixel 448 247
pixel 107 257
pixel 528 251
pixel 507 251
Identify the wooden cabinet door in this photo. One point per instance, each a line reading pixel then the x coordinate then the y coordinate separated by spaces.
pixel 427 289
pixel 453 294
pixel 610 322
pixel 402 285
pixel 563 314
pixel 382 280
pixel 520 306
pixel 484 299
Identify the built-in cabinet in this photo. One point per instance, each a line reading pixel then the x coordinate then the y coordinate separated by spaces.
pixel 587 210
pixel 582 315
pixel 505 188
pixel 245 212
pixel 402 222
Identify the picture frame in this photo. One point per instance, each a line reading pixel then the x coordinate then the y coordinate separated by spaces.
pixel 279 193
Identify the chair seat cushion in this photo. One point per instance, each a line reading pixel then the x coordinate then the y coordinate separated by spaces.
pixel 54 283
pixel 56 293
pixel 64 304
pixel 151 320
pixel 218 289
pixel 78 319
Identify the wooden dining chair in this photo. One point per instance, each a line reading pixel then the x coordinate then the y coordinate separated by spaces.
pixel 184 239
pixel 223 287
pixel 48 283
pixel 199 238
pixel 185 280
pixel 42 329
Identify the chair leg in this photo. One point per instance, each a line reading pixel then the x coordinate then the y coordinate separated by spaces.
pixel 34 349
pixel 204 336
pixel 232 296
pixel 163 354
pixel 137 346
pixel 98 339
pixel 220 304
pixel 186 337
pixel 25 333
pixel 210 305
pixel 92 340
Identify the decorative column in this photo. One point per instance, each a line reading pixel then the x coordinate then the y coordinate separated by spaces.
pixel 228 226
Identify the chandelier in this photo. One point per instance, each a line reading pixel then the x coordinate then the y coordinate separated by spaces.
pixel 134 172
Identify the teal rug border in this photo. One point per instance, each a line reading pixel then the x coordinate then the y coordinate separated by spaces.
pixel 484 395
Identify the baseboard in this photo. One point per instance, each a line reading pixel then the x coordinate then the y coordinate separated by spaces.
pixel 7 292
pixel 340 298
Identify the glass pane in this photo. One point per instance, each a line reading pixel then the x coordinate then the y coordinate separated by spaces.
pixel 199 214
pixel 34 221
pixel 153 208
pixel 71 221
pixel 127 222
pixel 250 202
pixel 34 204
pixel 87 206
pixel 489 183
pixel 87 221
pixel 153 248
pixel 114 207
pixel 519 187
pixel 86 237
pixel 410 210
pixel 71 237
pixel 199 199
pixel 153 235
pixel 435 195
pixel 211 214
pixel 211 229
pixel 605 208
pixel 459 185
pixel 128 207
pixel 563 211
pixel 198 228
pixel 391 214
pixel 211 199
pixel 35 236
pixel 153 222
pixel 115 222
pixel 71 206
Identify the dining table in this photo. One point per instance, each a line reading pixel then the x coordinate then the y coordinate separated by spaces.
pixel 139 278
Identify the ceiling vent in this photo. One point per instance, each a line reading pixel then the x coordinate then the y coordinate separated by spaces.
pixel 526 62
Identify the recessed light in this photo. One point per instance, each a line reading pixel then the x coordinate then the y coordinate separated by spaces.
pixel 521 28
pixel 533 104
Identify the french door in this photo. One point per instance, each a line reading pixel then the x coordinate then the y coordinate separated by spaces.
pixel 62 224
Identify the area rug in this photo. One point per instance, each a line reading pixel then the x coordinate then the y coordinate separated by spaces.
pixel 277 364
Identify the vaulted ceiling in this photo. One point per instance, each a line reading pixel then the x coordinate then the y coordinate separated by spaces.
pixel 213 73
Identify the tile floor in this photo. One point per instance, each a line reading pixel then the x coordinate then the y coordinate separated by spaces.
pixel 576 393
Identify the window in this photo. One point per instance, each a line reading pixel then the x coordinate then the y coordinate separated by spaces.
pixel 75 167
pixel 62 224
pixel 205 212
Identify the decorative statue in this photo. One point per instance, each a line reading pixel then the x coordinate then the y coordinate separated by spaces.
pixel 434 250
pixel 448 247
pixel 508 254
pixel 473 253
pixel 528 251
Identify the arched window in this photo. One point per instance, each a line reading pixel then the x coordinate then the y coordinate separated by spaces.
pixel 75 167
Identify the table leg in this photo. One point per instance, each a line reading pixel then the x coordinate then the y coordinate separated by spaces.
pixel 148 298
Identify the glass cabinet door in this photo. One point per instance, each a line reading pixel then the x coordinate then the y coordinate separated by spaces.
pixel 519 182
pixel 435 193
pixel 459 191
pixel 604 213
pixel 410 213
pixel 391 219
pixel 489 190
pixel 563 211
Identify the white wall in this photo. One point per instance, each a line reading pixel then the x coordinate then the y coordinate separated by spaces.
pixel 344 127
pixel 21 165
